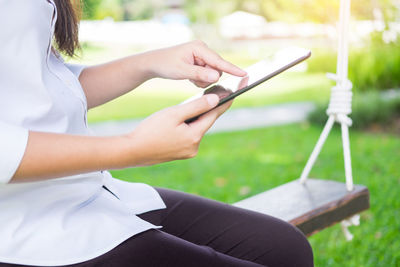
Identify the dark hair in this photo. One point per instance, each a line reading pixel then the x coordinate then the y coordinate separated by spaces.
pixel 66 28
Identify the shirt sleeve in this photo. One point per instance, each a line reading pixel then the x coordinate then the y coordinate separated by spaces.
pixel 76 69
pixel 13 142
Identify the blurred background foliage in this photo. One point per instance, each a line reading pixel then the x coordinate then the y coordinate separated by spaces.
pixel 374 66
pixel 374 63
pixel 321 11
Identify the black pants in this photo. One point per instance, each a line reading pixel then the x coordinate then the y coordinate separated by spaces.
pixel 206 233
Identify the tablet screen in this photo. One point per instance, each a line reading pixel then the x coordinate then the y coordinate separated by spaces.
pixel 258 73
pixel 234 84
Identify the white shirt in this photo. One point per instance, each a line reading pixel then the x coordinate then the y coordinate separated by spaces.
pixel 58 221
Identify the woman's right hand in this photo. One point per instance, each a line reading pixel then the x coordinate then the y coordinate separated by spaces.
pixel 162 137
pixel 165 136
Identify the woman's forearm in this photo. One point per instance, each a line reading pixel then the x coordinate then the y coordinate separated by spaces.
pixel 50 155
pixel 160 138
pixel 103 83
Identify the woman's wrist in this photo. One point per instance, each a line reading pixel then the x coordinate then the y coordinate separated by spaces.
pixel 122 153
pixel 142 65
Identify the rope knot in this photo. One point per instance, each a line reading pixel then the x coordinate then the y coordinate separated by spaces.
pixel 340 101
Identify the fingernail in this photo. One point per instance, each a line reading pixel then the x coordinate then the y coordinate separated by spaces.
pixel 212 99
pixel 213 76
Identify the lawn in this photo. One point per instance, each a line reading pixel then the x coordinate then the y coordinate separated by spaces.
pixel 265 158
pixel 262 159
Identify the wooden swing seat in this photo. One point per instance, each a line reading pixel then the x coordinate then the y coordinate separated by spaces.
pixel 311 207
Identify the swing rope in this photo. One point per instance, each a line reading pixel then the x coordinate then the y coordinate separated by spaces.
pixel 340 101
pixel 327 202
pixel 338 111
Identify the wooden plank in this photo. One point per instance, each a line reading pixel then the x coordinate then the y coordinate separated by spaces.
pixel 311 207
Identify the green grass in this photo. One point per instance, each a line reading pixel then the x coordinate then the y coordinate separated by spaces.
pixel 265 158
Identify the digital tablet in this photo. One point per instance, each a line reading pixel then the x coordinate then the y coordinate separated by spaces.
pixel 233 86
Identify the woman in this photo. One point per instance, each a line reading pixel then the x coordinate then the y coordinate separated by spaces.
pixel 59 207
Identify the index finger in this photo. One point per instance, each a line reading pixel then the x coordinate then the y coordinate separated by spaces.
pixel 214 60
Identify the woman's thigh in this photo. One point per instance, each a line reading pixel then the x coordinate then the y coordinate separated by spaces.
pixel 230 230
pixel 202 232
pixel 155 248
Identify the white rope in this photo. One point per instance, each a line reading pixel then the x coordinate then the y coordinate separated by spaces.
pixel 338 111
pixel 352 221
pixel 340 101
pixel 317 149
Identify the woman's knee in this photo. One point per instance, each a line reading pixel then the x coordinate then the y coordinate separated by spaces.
pixel 283 245
pixel 290 248
pixel 300 249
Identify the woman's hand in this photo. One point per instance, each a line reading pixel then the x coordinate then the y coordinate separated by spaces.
pixel 165 136
pixel 193 61
pixel 162 137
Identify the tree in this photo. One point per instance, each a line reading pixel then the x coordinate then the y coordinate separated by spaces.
pixel 320 11
pixel 89 8
pixel 141 9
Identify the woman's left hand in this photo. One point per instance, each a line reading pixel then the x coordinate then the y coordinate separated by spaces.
pixel 193 61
